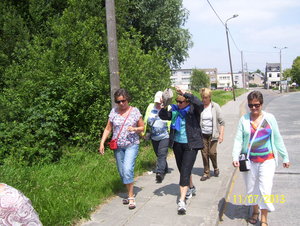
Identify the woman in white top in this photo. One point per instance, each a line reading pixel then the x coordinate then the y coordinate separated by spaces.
pixel 212 123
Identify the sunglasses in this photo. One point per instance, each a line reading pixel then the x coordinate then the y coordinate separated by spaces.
pixel 120 101
pixel 254 105
pixel 179 102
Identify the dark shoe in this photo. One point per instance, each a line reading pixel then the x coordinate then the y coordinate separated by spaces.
pixel 159 177
pixel 216 172
pixel 254 220
pixel 166 170
pixel 204 178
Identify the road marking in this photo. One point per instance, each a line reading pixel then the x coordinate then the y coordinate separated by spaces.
pixel 236 170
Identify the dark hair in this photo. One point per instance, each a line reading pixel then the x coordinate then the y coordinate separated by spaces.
pixel 256 95
pixel 122 92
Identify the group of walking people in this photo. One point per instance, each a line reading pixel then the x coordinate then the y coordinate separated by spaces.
pixel 177 127
pixel 188 127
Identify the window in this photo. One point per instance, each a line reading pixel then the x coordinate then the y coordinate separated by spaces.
pixel 212 79
pixel 187 72
pixel 236 77
pixel 270 75
pixel 278 74
pixel 186 79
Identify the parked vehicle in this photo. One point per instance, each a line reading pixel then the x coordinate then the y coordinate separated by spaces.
pixel 213 88
pixel 225 88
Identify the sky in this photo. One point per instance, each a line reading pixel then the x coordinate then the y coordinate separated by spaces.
pixel 260 25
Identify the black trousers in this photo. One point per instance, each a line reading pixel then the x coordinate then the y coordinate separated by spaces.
pixel 185 159
pixel 161 152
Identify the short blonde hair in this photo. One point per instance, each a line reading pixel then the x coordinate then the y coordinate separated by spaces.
pixel 205 92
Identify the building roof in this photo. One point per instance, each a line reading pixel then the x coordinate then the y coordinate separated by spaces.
pixel 273 65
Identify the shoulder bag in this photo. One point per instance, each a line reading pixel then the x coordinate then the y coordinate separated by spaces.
pixel 245 163
pixel 113 143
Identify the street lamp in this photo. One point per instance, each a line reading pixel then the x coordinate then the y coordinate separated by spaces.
pixel 234 16
pixel 280 67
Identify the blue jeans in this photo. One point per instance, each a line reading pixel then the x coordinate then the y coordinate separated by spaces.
pixel 125 158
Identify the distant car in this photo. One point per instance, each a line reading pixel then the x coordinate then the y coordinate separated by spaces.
pixel 231 88
pixel 213 88
pixel 225 89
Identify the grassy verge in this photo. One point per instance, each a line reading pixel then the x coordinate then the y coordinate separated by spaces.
pixel 72 188
pixel 69 190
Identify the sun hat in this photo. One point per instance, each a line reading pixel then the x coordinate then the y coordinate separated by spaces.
pixel 157 97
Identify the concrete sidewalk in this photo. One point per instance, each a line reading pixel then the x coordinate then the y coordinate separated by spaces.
pixel 157 202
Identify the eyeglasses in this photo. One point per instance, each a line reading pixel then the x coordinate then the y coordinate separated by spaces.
pixel 254 105
pixel 179 102
pixel 121 101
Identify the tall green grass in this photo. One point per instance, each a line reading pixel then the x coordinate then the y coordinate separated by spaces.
pixel 222 97
pixel 69 190
pixel 72 188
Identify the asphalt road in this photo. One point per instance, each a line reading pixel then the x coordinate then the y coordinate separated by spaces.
pixel 286 188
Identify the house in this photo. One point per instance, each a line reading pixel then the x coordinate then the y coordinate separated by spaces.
pixel 272 75
pixel 256 79
pixel 224 80
pixel 181 77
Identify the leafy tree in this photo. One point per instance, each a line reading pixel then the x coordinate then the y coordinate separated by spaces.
pixel 199 79
pixel 161 25
pixel 287 73
pixel 295 72
pixel 57 86
pixel 258 71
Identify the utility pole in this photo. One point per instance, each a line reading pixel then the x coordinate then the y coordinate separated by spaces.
pixel 232 81
pixel 247 73
pixel 114 74
pixel 243 74
pixel 280 85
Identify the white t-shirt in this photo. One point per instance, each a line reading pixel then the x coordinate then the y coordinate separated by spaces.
pixel 207 120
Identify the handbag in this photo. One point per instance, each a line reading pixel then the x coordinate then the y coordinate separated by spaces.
pixel 148 134
pixel 245 163
pixel 113 143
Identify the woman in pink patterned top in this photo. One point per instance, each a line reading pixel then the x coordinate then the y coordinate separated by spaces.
pixel 128 141
pixel 16 208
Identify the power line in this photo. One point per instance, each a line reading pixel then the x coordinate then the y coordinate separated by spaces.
pixel 234 41
pixel 215 13
pixel 223 25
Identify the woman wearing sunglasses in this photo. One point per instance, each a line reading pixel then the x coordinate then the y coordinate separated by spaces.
pixel 185 139
pixel 263 155
pixel 128 139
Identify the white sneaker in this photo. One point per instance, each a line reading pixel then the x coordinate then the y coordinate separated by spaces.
pixel 191 192
pixel 181 207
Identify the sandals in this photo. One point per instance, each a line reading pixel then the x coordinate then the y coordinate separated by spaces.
pixel 126 200
pixel 253 220
pixel 262 222
pixel 131 205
